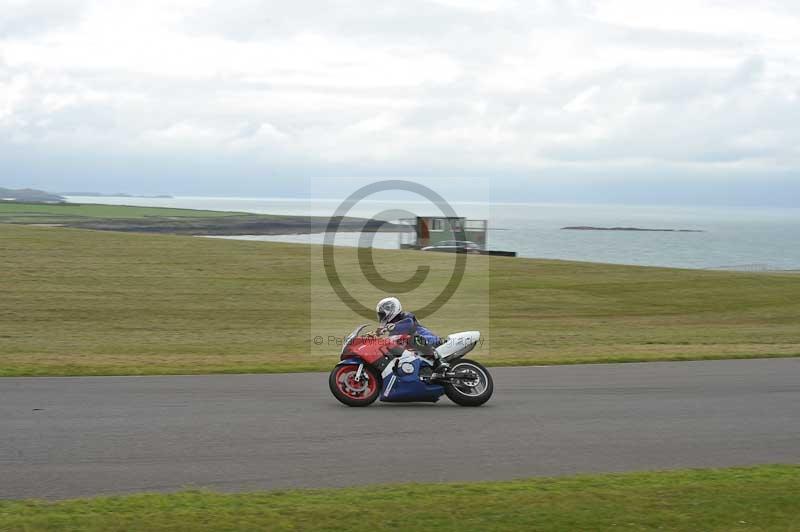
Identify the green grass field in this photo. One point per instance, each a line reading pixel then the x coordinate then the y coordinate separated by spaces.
pixel 762 498
pixel 78 302
pixel 159 219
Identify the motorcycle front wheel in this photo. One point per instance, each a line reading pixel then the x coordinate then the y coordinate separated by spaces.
pixel 474 388
pixel 352 392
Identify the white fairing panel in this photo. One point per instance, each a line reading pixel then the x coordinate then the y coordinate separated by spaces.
pixel 458 344
pixel 407 356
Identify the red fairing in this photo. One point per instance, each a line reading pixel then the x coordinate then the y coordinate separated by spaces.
pixel 371 349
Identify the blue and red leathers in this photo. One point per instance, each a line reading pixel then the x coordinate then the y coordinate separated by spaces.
pixel 406 323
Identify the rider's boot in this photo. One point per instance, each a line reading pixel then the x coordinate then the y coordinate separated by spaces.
pixel 440 367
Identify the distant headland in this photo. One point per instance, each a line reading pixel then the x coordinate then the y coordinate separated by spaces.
pixel 29 194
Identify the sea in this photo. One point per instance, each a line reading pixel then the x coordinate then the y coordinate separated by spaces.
pixel 735 238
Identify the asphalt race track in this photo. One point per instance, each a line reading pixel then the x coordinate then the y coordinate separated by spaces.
pixel 70 437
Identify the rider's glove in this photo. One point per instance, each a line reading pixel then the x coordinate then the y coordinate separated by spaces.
pixel 420 341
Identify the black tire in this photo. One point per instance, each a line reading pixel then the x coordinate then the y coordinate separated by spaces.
pixel 464 398
pixel 368 398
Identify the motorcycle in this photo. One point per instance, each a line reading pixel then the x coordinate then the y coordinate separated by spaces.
pixel 379 364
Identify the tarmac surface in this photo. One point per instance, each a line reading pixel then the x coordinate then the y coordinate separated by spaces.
pixel 72 437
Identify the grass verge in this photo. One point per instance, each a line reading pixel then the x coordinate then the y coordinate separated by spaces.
pixel 78 302
pixel 161 219
pixel 761 498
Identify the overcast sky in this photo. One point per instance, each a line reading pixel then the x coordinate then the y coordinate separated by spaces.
pixel 679 101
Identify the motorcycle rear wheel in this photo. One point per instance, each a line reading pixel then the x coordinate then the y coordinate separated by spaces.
pixel 348 391
pixel 474 392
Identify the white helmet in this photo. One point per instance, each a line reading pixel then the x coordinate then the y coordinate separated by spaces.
pixel 388 308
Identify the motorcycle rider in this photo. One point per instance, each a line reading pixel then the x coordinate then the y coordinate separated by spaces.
pixel 393 319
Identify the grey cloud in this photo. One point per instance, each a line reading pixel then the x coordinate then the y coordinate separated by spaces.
pixel 586 122
pixel 694 132
pixel 254 19
pixel 25 19
pixel 749 70
pixel 655 38
pixel 684 84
